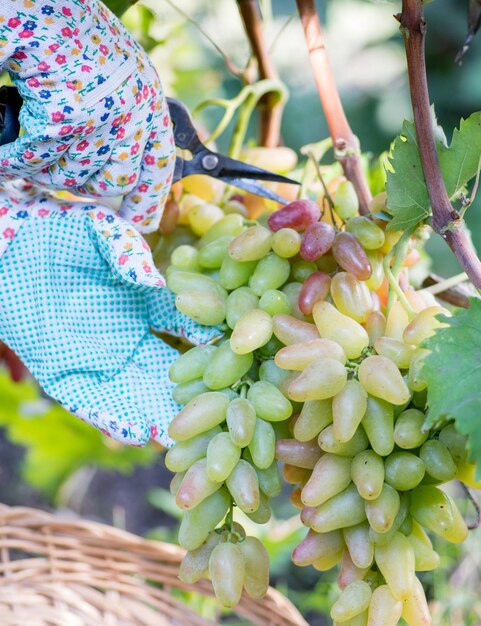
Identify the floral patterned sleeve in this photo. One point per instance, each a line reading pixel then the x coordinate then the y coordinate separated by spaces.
pixel 95 118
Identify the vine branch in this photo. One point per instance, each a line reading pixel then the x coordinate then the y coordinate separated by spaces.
pixel 446 221
pixel 270 106
pixel 346 145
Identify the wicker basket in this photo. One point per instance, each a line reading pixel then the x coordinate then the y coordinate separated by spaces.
pixel 58 572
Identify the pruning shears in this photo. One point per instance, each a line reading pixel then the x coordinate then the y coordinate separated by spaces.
pixel 203 161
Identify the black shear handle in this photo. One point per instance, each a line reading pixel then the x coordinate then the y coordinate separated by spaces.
pixel 10 105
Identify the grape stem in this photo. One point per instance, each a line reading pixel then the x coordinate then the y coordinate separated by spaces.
pixel 327 195
pixel 445 221
pixel 270 107
pixel 394 286
pixel 400 250
pixel 475 502
pixel 346 145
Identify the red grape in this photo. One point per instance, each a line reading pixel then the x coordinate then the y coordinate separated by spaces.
pixel 297 215
pixel 315 288
pixel 317 240
pixel 350 255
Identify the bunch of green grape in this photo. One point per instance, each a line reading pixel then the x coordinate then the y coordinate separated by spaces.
pixel 314 371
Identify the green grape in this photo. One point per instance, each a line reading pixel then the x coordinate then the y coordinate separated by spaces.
pixel 416 380
pixel 213 253
pixel 315 415
pixel 381 512
pixel 197 523
pixel 243 485
pixel 432 508
pixel 415 608
pixel 271 347
pixel 382 379
pixel 301 270
pixel 209 311
pixel 437 460
pixel 241 421
pixel 455 442
pixel 203 216
pixel 397 351
pixel 226 367
pixel 346 203
pixel 351 296
pixel 367 473
pixel 359 620
pixel 268 402
pixel 270 273
pixel 222 456
pixel 290 330
pixel 263 513
pixel 359 544
pixel 328 442
pixel 270 482
pixel 317 545
pixel 262 446
pixel 404 470
pixel 344 509
pixel 184 453
pixel 408 431
pixel 378 422
pixel 286 242
pixel 424 325
pixel 175 483
pixel 375 326
pixel 239 302
pixel 251 245
pixel 298 356
pixel 334 325
pixel 196 562
pixel 182 281
pixel 402 523
pixel 385 609
pixel 228 226
pixel 196 486
pixel 330 476
pixel 320 380
pixel 274 302
pixel 256 580
pixel 459 530
pixel 183 393
pixel 292 291
pixel 425 557
pixel 191 364
pixel 354 599
pixel 396 563
pixel 348 408
pixel 376 278
pixel 185 257
pixel 227 572
pixel 253 330
pixel 201 414
pixel 234 274
pixel 271 373
pixel 369 234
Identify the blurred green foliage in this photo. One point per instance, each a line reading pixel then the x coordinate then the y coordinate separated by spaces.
pixel 57 444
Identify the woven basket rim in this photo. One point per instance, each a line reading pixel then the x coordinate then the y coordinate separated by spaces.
pixel 44 555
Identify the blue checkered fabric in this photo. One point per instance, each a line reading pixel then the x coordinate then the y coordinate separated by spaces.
pixel 83 327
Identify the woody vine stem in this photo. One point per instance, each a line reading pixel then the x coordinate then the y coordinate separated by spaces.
pixel 446 221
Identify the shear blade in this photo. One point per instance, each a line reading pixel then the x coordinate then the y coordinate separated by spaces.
pixel 252 186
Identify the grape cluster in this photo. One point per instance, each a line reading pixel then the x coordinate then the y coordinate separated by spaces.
pixel 314 370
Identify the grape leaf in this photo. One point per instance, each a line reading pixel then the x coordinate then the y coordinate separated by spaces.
pixel 407 194
pixel 453 374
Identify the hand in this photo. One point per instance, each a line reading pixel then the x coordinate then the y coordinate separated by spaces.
pixel 79 295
